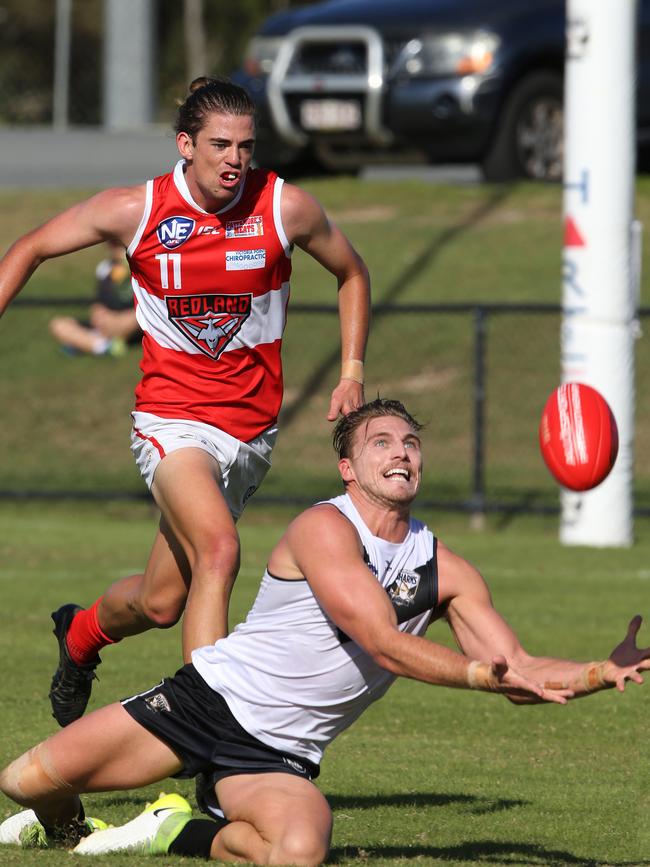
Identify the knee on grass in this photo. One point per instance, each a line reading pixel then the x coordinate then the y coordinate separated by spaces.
pixel 303 847
pixel 32 777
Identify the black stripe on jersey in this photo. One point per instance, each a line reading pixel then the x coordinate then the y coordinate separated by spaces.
pixel 280 578
pixel 412 592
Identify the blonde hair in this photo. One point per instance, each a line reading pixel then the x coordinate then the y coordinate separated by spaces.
pixel 348 424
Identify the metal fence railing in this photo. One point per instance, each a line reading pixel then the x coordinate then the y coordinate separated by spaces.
pixel 477 375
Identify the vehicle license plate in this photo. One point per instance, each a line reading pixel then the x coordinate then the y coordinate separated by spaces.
pixel 330 114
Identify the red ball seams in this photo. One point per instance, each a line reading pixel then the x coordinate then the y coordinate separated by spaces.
pixel 578 436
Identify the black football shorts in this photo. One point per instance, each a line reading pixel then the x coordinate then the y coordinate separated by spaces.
pixel 197 724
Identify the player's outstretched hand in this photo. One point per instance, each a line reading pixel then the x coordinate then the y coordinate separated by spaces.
pixel 627 660
pixel 517 685
pixel 347 395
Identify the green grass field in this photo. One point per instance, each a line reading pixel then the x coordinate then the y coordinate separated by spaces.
pixel 428 776
pixel 423 243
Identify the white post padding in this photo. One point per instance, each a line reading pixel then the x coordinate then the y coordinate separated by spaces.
pixel 603 517
pixel 600 264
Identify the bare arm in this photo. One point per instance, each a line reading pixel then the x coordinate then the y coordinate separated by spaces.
pixel 322 545
pixel 483 633
pixel 114 213
pixel 307 226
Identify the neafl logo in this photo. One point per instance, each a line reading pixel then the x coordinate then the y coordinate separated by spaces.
pixel 174 231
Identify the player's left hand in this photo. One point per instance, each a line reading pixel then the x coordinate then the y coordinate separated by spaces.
pixel 347 395
pixel 518 687
pixel 627 660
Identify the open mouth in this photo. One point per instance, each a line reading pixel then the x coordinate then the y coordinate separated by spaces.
pixel 399 472
pixel 230 177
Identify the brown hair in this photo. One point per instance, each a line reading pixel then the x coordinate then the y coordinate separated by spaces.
pixel 348 424
pixel 211 96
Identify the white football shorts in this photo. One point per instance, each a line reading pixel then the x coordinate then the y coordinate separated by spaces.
pixel 243 465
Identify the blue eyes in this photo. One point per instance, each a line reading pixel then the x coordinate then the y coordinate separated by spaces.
pixel 409 444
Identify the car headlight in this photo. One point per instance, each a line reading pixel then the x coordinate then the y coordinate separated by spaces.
pixel 261 54
pixel 448 54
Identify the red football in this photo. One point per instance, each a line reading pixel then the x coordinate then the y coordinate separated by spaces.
pixel 578 436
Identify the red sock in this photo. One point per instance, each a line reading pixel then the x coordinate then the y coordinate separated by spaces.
pixel 85 637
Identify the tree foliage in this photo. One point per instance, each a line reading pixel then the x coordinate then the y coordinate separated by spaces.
pixel 27 29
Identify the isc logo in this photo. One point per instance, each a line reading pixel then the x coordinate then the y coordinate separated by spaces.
pixel 174 231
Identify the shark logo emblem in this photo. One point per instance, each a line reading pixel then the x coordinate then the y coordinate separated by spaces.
pixel 403 589
pixel 209 321
pixel 158 703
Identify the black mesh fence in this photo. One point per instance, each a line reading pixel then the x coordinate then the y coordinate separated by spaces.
pixel 477 376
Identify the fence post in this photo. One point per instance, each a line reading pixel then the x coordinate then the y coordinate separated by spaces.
pixel 477 501
pixel 60 102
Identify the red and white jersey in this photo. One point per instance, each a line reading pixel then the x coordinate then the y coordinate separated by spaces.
pixel 211 295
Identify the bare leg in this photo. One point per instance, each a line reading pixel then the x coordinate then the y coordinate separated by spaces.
pixel 155 599
pixel 104 751
pixel 187 488
pixel 68 332
pixel 275 819
pixel 113 323
pixel 193 563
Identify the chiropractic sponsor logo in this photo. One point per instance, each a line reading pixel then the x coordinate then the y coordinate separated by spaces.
pixel 210 322
pixel 251 227
pixel 403 589
pixel 245 260
pixel 157 702
pixel 174 231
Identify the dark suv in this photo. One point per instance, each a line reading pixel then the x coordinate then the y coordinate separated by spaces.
pixel 349 82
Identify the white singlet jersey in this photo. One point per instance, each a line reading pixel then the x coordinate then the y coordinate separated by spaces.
pixel 289 675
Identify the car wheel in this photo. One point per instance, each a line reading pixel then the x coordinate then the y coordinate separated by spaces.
pixel 529 137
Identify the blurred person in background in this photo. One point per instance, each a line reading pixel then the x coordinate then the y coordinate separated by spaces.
pixel 112 324
pixel 209 246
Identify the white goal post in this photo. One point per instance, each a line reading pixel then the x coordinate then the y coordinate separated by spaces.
pixel 601 264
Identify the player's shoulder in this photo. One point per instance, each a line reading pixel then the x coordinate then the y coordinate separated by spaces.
pixel 323 523
pixel 321 514
pixel 302 214
pixel 295 197
pixel 321 535
pixel 120 200
pixel 118 209
pixel 124 196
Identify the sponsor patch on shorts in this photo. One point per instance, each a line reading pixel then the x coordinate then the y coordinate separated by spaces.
pixel 157 702
pixel 245 260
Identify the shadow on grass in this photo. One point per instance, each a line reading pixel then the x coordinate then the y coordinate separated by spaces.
pixel 478 805
pixel 478 852
pixel 508 854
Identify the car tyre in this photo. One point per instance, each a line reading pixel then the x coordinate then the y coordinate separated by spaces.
pixel 529 136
